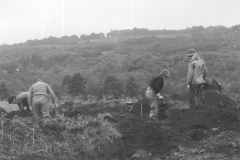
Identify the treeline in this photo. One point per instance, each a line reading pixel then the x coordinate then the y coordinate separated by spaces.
pixel 74 39
pixel 64 40
pixel 194 29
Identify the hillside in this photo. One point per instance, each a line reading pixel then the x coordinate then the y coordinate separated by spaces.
pixel 130 55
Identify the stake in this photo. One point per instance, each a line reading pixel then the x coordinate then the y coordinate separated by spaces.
pixel 33 138
pixel 141 107
pixel 2 129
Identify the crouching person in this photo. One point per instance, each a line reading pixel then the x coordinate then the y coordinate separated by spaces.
pixel 153 92
pixel 21 100
pixel 38 99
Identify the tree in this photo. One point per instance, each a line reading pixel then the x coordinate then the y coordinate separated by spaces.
pixel 66 80
pixel 131 87
pixel 37 60
pixel 4 93
pixel 23 62
pixel 112 86
pixel 84 37
pixel 48 63
pixel 93 85
pixel 94 36
pixel 76 85
pixel 57 89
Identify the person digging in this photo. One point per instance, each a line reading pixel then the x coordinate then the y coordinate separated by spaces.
pixel 153 93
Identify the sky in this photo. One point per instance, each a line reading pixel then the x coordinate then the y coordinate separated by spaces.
pixel 22 20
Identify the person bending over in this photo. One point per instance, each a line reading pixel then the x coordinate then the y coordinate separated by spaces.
pixel 38 99
pixel 153 91
pixel 21 100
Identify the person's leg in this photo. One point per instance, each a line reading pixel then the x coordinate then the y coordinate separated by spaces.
pixel 200 94
pixel 193 94
pixel 25 103
pixel 45 107
pixel 151 96
pixel 36 106
pixel 20 104
pixel 36 109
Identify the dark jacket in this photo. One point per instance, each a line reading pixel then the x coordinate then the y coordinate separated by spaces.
pixel 157 84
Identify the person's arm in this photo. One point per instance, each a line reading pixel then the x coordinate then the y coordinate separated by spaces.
pixel 205 71
pixel 50 91
pixel 30 97
pixel 20 104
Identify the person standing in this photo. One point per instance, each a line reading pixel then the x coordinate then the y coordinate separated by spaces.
pixel 196 77
pixel 153 92
pixel 38 98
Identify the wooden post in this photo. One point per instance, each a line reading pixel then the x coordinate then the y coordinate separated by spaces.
pixel 141 107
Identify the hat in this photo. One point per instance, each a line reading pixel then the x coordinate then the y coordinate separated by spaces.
pixel 191 52
pixel 165 72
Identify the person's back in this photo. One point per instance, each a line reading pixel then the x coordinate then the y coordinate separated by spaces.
pixel 157 83
pixel 196 76
pixel 196 70
pixel 39 88
pixel 38 98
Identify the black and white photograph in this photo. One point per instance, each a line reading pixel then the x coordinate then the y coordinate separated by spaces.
pixel 119 80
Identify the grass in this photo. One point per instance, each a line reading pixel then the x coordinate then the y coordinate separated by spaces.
pixel 223 145
pixel 57 138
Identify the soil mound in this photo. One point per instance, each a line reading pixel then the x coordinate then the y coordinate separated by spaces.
pixel 23 114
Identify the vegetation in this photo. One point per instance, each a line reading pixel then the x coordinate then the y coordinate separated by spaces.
pixel 57 138
pixel 137 53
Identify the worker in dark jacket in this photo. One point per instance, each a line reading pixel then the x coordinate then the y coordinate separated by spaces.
pixel 21 100
pixel 153 92
pixel 38 98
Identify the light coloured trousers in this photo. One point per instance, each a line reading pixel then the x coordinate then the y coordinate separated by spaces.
pixel 152 98
pixel 40 106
